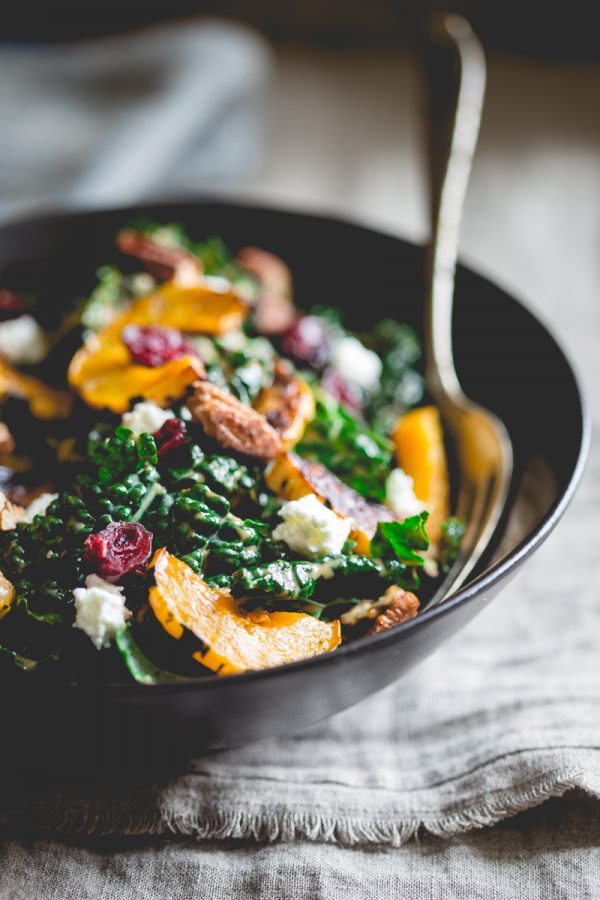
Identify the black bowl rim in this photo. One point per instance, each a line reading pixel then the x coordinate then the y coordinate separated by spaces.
pixel 486 580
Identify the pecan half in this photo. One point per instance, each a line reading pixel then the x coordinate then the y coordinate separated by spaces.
pixel 275 308
pixel 166 263
pixel 402 606
pixel 233 424
pixel 10 513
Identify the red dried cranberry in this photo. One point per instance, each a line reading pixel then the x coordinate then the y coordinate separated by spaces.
pixel 170 435
pixel 347 394
pixel 11 304
pixel 153 345
pixel 307 341
pixel 122 548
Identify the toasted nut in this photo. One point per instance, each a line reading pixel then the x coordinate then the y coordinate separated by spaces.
pixel 233 424
pixel 167 263
pixel 402 606
pixel 288 404
pixel 275 309
pixel 10 513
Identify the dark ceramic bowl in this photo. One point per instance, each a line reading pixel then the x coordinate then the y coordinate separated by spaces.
pixel 506 360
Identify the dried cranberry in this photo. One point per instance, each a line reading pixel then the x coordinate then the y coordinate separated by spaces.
pixel 347 394
pixel 122 548
pixel 170 435
pixel 307 341
pixel 11 304
pixel 153 345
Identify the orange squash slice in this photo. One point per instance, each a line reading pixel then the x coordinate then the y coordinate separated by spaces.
pixel 7 595
pixel 234 641
pixel 44 402
pixel 419 442
pixel 102 371
pixel 288 404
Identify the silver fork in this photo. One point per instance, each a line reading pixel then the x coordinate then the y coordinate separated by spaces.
pixel 483 448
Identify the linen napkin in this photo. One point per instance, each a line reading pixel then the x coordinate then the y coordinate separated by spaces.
pixel 505 715
pixel 172 109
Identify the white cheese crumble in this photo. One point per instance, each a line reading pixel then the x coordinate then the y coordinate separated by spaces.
pixel 146 417
pixel 310 529
pixel 22 341
pixel 400 495
pixel 39 506
pixel 355 363
pixel 101 610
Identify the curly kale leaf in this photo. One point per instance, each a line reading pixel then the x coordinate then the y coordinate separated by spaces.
pixel 114 292
pixel 280 579
pixel 356 454
pixel 401 540
pixel 138 665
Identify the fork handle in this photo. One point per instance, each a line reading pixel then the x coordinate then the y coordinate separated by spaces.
pixel 456 75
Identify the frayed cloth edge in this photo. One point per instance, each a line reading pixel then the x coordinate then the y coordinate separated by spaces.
pixel 289 826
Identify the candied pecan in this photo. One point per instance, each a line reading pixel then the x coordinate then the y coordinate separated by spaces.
pixel 275 309
pixel 165 262
pixel 10 513
pixel 7 441
pixel 233 424
pixel 402 606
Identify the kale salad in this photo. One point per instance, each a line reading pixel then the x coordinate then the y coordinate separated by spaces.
pixel 197 478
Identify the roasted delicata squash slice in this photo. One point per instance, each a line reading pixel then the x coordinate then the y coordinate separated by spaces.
pixel 44 402
pixel 114 385
pixel 102 370
pixel 291 477
pixel 234 641
pixel 7 595
pixel 288 405
pixel 419 442
pixel 195 309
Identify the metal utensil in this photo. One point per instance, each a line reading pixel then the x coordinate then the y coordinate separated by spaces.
pixel 483 447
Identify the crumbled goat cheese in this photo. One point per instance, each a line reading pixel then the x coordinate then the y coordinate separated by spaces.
pixel 400 495
pixel 39 506
pixel 146 416
pixel 310 529
pixel 22 341
pixel 101 610
pixel 355 363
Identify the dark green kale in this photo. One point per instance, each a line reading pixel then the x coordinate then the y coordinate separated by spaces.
pixel 280 579
pixel 401 540
pixel 138 665
pixel 114 292
pixel 355 453
pixel 453 530
pixel 400 387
